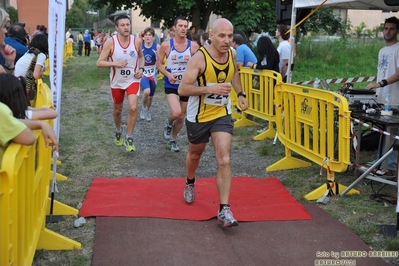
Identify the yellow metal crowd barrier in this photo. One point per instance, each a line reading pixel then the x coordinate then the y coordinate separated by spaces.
pixel 43 96
pixel 24 190
pixel 25 178
pixel 47 70
pixel 315 124
pixel 259 87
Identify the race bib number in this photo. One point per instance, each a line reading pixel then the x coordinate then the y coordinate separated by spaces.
pixel 217 100
pixel 149 71
pixel 125 73
pixel 178 76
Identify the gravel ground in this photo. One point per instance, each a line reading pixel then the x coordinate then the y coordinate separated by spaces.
pixel 153 158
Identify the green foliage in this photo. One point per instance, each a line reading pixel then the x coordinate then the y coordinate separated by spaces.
pixel 359 29
pixel 324 20
pixel 13 15
pixel 245 15
pixel 343 58
pixel 80 4
pixel 74 18
pixel 250 16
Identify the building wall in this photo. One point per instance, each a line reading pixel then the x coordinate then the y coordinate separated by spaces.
pixel 32 15
pixel 139 23
pixel 370 18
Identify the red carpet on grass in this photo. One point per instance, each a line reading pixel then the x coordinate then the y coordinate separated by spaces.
pixel 251 199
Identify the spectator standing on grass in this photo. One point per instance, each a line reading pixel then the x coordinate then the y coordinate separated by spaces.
pixel 92 45
pixel 209 111
pixel 284 49
pixel 68 34
pixel 124 56
pixel 177 52
pixel 149 80
pixel 80 43
pixel 244 53
pixel 388 73
pixel 100 39
pixel 17 38
pixel 70 39
pixel 87 40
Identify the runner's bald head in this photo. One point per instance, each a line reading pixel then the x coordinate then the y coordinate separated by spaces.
pixel 221 23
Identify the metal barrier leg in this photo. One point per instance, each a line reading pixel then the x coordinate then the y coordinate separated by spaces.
pixel 275 139
pixel 50 240
pixel 61 208
pixel 368 171
pixel 269 133
pixel 333 188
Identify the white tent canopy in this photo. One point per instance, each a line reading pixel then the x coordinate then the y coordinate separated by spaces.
pixel 348 4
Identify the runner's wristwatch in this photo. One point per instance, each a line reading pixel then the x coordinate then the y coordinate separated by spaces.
pixel 241 93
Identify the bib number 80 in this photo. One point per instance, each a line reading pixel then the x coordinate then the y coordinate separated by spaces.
pixel 125 72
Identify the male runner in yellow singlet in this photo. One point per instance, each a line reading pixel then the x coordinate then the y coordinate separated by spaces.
pixel 209 111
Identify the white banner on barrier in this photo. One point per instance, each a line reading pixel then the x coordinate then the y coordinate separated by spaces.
pixel 56 39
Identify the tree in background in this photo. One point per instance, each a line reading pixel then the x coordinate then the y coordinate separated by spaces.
pixel 360 29
pixel 250 16
pixel 13 15
pixel 75 17
pixel 324 20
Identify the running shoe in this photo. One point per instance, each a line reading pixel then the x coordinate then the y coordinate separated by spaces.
pixel 118 138
pixel 167 131
pixel 173 145
pixel 128 143
pixel 142 114
pixel 225 217
pixel 148 115
pixel 189 194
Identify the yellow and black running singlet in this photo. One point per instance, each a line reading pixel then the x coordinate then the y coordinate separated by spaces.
pixel 208 107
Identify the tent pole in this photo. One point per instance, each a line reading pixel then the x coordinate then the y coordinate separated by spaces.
pixel 292 43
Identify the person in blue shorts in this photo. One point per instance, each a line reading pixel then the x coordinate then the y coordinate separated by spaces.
pixel 148 82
